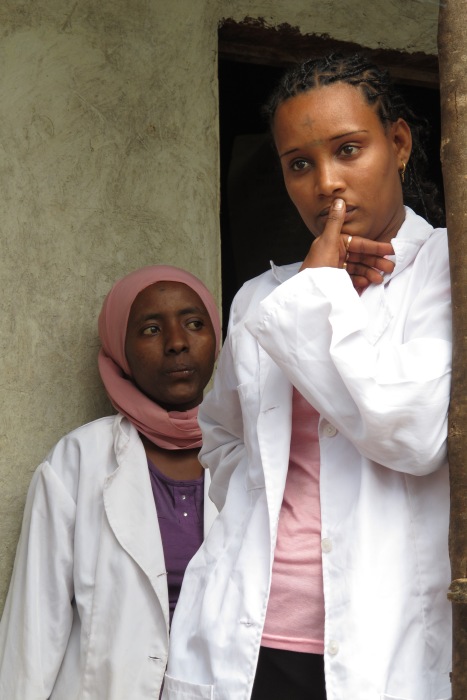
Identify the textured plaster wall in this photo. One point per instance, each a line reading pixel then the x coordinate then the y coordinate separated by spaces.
pixel 109 161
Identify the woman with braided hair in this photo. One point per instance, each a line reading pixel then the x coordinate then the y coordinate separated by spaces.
pixel 324 576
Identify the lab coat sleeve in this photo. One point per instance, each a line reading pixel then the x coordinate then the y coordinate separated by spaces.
pixel 389 399
pixel 220 419
pixel 37 619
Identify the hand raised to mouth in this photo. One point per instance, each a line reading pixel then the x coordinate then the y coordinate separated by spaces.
pixel 363 258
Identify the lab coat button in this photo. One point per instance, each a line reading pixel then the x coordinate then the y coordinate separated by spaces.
pixel 326 545
pixel 333 647
pixel 329 430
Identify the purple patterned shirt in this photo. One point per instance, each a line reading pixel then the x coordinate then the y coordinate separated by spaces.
pixel 179 506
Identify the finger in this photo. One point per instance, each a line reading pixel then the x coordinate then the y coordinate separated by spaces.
pixel 382 264
pixel 372 275
pixel 327 250
pixel 366 246
pixel 334 222
pixel 331 235
pixel 360 283
pixel 375 261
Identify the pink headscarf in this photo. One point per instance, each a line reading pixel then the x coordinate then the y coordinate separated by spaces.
pixel 172 430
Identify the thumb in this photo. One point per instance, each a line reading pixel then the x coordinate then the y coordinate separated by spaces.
pixel 335 220
pixel 327 250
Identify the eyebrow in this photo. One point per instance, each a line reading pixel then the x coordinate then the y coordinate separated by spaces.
pixel 183 312
pixel 333 138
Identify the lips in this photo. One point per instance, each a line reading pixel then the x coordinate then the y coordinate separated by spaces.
pixel 325 212
pixel 180 371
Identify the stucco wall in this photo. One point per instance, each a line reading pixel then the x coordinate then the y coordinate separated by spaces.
pixel 109 161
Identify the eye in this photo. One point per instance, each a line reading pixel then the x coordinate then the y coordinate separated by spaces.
pixel 299 165
pixel 195 324
pixel 151 330
pixel 349 149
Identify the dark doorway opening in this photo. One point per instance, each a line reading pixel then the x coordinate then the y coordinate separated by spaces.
pixel 258 222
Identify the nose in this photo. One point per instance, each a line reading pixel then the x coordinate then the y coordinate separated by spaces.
pixel 329 180
pixel 176 340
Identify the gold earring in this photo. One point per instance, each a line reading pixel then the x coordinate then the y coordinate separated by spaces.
pixel 402 172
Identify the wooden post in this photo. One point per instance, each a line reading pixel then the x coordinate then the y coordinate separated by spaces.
pixel 452 53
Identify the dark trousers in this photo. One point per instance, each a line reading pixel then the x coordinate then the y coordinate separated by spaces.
pixel 288 675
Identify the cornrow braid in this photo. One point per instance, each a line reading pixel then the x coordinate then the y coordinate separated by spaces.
pixel 379 92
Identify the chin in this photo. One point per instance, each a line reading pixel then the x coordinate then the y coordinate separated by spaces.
pixel 182 403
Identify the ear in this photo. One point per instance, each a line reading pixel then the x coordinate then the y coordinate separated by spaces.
pixel 402 140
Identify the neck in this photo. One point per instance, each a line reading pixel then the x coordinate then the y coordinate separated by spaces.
pixel 393 226
pixel 176 464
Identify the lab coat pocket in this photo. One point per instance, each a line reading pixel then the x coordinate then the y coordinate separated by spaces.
pixel 175 689
pixel 250 402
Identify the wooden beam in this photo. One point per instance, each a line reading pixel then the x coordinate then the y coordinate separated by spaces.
pixel 253 41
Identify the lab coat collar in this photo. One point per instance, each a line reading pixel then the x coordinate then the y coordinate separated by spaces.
pixel 413 233
pixel 129 506
pixel 282 273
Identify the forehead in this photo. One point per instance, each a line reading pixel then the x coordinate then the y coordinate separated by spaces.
pixel 165 297
pixel 324 112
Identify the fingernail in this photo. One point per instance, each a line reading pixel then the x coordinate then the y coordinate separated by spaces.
pixel 338 204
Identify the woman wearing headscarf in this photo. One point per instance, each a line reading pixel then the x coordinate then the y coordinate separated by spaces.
pixel 117 509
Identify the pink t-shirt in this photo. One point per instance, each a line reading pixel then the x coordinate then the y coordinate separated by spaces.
pixel 295 614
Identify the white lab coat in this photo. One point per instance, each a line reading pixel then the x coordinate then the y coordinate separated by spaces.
pixel 377 368
pixel 86 616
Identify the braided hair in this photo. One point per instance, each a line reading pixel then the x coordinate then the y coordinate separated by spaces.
pixel 379 92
